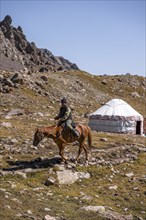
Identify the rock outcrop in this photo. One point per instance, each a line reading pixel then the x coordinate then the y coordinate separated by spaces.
pixel 19 54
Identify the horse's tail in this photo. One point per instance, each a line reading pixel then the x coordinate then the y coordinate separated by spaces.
pixel 89 138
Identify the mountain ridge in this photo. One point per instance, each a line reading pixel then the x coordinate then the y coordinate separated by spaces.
pixel 19 54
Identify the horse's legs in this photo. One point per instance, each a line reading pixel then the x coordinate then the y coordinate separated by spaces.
pixel 61 152
pixel 86 152
pixel 81 146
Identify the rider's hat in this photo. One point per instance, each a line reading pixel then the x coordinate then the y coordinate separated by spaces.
pixel 63 100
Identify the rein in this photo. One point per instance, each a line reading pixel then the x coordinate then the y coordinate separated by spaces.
pixel 58 136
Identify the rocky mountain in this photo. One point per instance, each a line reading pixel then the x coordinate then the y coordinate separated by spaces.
pixel 19 54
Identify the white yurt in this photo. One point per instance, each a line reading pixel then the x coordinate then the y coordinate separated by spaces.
pixel 118 117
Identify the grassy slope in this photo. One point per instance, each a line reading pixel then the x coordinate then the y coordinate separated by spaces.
pixel 86 93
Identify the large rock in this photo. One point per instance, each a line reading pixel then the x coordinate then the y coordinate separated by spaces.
pixel 106 213
pixel 99 209
pixel 69 177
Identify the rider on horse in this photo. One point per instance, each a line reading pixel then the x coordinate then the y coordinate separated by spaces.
pixel 65 116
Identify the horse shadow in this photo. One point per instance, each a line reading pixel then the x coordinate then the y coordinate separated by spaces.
pixel 37 163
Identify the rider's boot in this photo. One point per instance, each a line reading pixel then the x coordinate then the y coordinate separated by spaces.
pixel 75 133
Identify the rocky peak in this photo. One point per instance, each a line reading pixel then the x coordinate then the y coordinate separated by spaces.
pixel 6 22
pixel 18 53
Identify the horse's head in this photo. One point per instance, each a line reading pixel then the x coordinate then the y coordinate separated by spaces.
pixel 38 136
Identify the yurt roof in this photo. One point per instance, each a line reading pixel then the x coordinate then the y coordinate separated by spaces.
pixel 116 107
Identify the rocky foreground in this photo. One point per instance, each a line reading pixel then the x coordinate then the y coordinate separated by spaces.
pixel 35 184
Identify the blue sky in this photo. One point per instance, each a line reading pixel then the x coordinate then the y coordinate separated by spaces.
pixel 101 37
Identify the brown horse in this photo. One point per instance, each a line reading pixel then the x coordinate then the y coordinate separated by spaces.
pixel 62 136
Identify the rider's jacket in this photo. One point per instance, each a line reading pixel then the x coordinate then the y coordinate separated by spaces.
pixel 64 113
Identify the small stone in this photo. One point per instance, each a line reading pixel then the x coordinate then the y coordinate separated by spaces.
pixel 88 198
pixel 113 187
pixel 14 141
pixel 47 209
pixel 136 189
pixel 135 94
pixel 6 124
pixel 48 217
pixel 29 212
pixel 104 82
pixel 129 174
pixel 7 206
pixel 50 181
pixel 2 190
pixel 20 174
pixel 103 139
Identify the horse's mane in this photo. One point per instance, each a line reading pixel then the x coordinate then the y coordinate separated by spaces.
pixel 51 126
pixel 44 128
pixel 48 126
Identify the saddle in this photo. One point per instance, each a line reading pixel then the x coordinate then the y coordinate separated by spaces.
pixel 63 125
